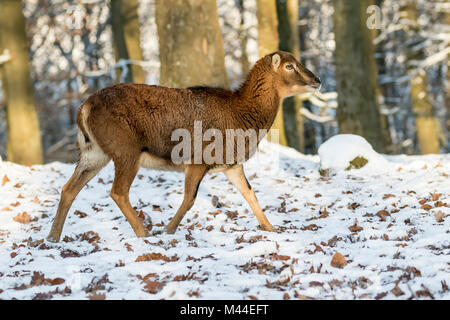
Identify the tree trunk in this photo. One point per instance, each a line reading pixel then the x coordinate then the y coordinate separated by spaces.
pixel 190 43
pixel 267 43
pixel 381 90
pixel 126 34
pixel 446 20
pixel 24 144
pixel 245 63
pixel 426 123
pixel 356 74
pixel 287 12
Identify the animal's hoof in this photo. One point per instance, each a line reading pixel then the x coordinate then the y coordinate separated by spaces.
pixel 143 234
pixel 51 238
pixel 268 228
pixel 170 230
pixel 157 232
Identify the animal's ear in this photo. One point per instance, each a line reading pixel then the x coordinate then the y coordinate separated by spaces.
pixel 276 60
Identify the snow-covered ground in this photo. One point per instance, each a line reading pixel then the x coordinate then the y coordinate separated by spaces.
pixel 379 233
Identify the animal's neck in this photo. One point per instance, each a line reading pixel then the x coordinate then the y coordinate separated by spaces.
pixel 260 93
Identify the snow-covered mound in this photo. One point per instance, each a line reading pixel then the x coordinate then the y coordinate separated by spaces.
pixel 359 235
pixel 349 151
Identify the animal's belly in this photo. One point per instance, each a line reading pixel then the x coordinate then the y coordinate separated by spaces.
pixel 150 161
pixel 156 163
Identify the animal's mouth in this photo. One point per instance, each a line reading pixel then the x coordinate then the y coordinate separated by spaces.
pixel 313 87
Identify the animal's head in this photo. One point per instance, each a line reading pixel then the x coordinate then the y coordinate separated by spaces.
pixel 290 76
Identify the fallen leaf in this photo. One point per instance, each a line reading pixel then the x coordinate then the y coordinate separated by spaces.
pixel 311 227
pixel 153 286
pixel 355 227
pixel 56 281
pixel 382 214
pixel 439 216
pixel 155 256
pixel 215 202
pixel 5 180
pixel 426 207
pixel 338 260
pixel 97 296
pixel 24 218
pixel 80 214
pixel 353 206
pixel 435 196
pixel 397 291
pixel 381 295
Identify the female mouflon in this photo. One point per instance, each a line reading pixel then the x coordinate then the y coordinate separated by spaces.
pixel 133 125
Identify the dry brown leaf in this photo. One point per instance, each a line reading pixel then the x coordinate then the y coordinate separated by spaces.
pixel 155 256
pixel 338 260
pixel 439 216
pixel 153 286
pixel 80 214
pixel 435 196
pixel 355 227
pixel 397 291
pixel 23 218
pixel 426 207
pixel 56 281
pixel 381 295
pixel 311 227
pixel 353 206
pixel 97 296
pixel 5 180
pixel 382 214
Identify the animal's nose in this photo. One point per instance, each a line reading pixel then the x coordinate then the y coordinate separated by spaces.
pixel 317 80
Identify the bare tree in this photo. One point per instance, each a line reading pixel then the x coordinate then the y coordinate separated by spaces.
pixel 23 134
pixel 287 12
pixel 426 123
pixel 356 73
pixel 267 43
pixel 190 43
pixel 126 32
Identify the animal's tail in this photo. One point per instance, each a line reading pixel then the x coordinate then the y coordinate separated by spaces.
pixel 84 138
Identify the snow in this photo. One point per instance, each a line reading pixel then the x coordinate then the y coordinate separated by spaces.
pixel 219 253
pixel 337 152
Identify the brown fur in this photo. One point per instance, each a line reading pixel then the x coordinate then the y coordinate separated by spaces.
pixel 132 124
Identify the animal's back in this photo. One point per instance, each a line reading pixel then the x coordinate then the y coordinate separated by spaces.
pixel 144 116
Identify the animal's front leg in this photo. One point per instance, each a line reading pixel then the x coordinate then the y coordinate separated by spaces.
pixel 237 177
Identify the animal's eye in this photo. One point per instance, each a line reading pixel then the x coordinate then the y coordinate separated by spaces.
pixel 289 67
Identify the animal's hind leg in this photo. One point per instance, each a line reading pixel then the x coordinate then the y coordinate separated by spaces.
pixel 193 176
pixel 125 172
pixel 79 179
